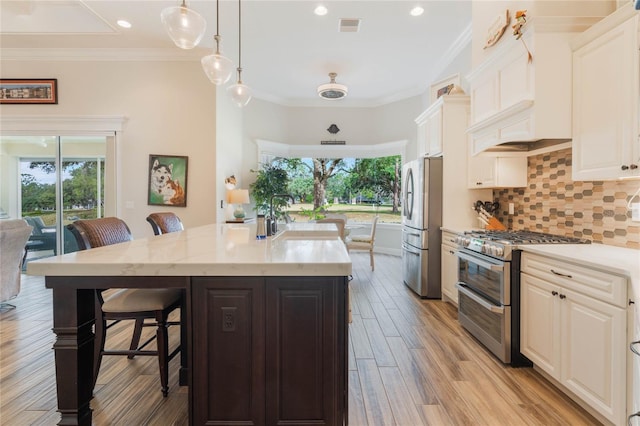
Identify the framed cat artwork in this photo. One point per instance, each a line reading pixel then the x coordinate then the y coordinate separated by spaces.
pixel 167 180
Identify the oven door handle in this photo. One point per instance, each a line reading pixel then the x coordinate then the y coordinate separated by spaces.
pixel 483 263
pixel 479 300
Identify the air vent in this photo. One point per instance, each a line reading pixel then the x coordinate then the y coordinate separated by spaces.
pixel 333 142
pixel 349 25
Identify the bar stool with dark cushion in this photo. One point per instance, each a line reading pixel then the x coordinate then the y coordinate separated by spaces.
pixel 128 304
pixel 164 222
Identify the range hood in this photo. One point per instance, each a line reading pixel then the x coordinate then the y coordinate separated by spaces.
pixel 521 98
pixel 531 147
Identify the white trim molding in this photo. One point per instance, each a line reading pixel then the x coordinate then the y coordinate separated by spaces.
pixel 277 149
pixel 61 124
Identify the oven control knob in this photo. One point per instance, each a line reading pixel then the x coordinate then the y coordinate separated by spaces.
pixel 499 251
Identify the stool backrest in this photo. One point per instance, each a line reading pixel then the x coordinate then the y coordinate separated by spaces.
pixel 105 231
pixel 165 222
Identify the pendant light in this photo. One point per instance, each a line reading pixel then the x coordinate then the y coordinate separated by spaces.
pixel 239 92
pixel 217 67
pixel 185 26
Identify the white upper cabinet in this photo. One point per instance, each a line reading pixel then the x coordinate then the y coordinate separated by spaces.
pixel 515 98
pixel 606 134
pixel 430 134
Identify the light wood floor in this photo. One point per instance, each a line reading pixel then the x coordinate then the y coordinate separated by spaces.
pixel 410 364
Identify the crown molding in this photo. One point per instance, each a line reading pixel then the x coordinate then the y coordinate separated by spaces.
pixel 99 54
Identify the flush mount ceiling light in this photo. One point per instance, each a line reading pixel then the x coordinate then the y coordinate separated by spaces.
pixel 332 91
pixel 320 10
pixel 217 67
pixel 417 11
pixel 185 26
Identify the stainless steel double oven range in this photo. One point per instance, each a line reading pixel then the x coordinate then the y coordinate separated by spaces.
pixel 489 287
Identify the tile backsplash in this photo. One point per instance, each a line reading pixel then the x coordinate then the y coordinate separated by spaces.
pixel 555 204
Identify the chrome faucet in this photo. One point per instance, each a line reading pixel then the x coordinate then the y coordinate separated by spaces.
pixel 272 226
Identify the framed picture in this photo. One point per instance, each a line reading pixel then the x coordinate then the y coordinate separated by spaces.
pixel 443 87
pixel 167 180
pixel 28 91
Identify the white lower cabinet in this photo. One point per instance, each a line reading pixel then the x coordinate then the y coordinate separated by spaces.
pixel 575 338
pixel 449 267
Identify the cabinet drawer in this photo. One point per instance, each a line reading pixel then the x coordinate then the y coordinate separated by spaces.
pixel 603 286
pixel 449 239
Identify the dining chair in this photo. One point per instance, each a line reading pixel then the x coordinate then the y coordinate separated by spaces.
pixel 165 222
pixel 128 304
pixel 339 223
pixel 364 242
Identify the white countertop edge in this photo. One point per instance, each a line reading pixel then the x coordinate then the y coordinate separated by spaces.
pixel 196 270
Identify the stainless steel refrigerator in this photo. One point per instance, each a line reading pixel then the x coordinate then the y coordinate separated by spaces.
pixel 421 222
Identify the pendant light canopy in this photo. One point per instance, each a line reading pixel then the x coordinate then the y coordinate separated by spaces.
pixel 217 67
pixel 239 92
pixel 332 91
pixel 185 26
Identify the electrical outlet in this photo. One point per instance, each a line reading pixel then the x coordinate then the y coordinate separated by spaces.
pixel 511 208
pixel 228 319
pixel 635 212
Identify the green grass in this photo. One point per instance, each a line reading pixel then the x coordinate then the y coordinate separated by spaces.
pixel 354 212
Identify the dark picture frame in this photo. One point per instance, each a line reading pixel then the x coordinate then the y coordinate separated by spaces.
pixel 29 91
pixel 167 180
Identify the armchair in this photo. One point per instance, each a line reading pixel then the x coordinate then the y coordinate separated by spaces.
pixel 13 238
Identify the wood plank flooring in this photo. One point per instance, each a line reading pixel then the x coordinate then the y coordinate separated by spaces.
pixel 410 364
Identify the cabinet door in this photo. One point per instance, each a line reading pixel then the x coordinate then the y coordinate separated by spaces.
pixel 594 353
pixel 228 350
pixel 481 171
pixel 511 172
pixel 449 273
pixel 605 106
pixel 434 134
pixel 540 323
pixel 306 350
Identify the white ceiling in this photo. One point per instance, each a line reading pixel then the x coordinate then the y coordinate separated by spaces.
pixel 287 51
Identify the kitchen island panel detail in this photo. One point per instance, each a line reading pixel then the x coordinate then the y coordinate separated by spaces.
pixel 228 355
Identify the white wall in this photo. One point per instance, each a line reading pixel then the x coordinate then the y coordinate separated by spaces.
pixel 170 109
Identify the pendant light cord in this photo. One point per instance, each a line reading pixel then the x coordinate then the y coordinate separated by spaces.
pixel 217 18
pixel 239 41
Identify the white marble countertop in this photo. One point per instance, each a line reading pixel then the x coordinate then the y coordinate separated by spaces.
pixel 212 250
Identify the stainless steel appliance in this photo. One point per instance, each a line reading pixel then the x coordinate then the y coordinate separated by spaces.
pixel 489 287
pixel 421 220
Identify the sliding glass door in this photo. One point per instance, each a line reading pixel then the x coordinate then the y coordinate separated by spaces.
pixel 57 179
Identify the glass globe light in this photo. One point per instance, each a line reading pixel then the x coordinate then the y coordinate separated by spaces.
pixel 217 67
pixel 240 93
pixel 185 26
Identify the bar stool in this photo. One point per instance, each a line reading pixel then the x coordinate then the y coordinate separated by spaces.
pixel 128 304
pixel 164 222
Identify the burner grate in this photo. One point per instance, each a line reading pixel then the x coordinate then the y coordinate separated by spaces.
pixel 526 237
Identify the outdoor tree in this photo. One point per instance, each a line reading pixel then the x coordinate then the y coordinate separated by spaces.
pixel 382 175
pixel 323 170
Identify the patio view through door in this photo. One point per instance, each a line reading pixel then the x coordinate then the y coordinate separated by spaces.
pixel 61 179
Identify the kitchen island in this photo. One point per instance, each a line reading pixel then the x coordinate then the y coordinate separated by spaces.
pixel 265 339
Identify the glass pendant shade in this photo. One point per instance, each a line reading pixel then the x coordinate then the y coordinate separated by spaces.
pixel 185 26
pixel 240 94
pixel 217 67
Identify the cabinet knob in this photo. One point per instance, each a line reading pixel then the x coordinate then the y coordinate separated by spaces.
pixel 554 293
pixel 478 183
pixel 624 167
pixel 562 296
pixel 633 166
pixel 633 349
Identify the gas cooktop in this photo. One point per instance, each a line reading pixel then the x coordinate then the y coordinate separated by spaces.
pixel 500 244
pixel 524 237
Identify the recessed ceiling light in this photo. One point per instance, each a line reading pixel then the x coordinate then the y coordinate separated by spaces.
pixel 320 10
pixel 417 11
pixel 123 23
